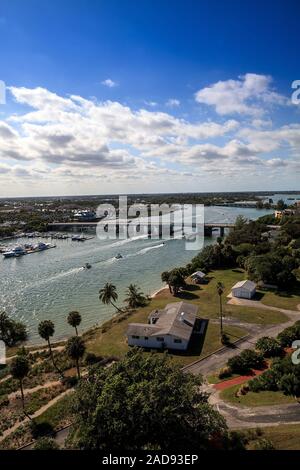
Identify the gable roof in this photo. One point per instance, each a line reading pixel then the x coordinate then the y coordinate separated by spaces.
pixel 176 319
pixel 198 274
pixel 247 285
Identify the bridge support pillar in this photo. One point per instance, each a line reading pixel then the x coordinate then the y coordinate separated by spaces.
pixel 207 231
pixel 222 232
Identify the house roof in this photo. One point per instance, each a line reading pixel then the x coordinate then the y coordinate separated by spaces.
pixel 198 274
pixel 177 319
pixel 247 285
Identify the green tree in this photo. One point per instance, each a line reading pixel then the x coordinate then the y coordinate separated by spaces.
pixel 75 349
pixel 12 332
pixel 144 402
pixel 19 369
pixel 74 319
pixel 135 298
pixel 177 279
pixel 165 277
pixel 108 295
pixel 46 330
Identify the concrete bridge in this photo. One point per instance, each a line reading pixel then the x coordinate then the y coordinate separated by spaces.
pixel 62 226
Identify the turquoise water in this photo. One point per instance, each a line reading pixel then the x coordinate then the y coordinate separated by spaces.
pixel 48 285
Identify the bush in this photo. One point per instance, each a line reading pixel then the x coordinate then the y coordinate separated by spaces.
pixel 224 372
pixel 46 443
pixel 225 339
pixel 263 444
pixel 92 358
pixel 40 429
pixel 246 361
pixel 269 347
pixel 290 334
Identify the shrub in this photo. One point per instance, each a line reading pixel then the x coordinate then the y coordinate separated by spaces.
pixel 46 443
pixel 246 361
pixel 224 372
pixel 40 429
pixel 263 444
pixel 269 347
pixel 92 358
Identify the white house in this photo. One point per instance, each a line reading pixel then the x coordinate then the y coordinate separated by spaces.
pixel 244 289
pixel 170 328
pixel 198 277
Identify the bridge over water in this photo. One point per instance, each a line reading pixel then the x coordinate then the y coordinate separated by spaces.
pixel 78 225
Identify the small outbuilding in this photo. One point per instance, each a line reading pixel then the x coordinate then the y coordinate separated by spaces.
pixel 199 277
pixel 244 289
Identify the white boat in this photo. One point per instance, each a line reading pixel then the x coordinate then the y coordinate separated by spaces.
pixel 41 246
pixel 15 252
pixel 78 238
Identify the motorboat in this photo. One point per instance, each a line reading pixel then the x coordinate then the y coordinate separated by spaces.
pixel 78 238
pixel 88 266
pixel 15 252
pixel 118 256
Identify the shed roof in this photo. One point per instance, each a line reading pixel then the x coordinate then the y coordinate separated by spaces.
pixel 247 285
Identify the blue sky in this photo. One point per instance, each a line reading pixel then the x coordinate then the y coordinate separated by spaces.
pixel 204 86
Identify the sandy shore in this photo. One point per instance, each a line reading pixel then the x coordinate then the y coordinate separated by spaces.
pixel 154 294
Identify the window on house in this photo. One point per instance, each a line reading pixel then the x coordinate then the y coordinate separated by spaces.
pixel 135 337
pixel 160 338
pixel 177 340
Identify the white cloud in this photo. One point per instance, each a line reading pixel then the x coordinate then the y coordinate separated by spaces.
pixel 172 103
pixel 248 95
pixel 109 83
pixel 72 139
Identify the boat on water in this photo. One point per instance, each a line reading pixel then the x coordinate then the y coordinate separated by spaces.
pixel 15 252
pixel 87 266
pixel 118 256
pixel 78 238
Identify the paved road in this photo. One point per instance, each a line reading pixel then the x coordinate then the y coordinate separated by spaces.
pixel 247 417
pixel 217 360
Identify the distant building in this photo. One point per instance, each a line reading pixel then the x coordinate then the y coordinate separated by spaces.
pixel 199 277
pixel 170 328
pixel 244 289
pixel 84 215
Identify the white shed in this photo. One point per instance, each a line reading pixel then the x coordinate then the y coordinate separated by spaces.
pixel 244 289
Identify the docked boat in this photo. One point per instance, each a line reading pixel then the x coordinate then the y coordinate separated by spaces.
pixel 15 252
pixel 78 238
pixel 41 246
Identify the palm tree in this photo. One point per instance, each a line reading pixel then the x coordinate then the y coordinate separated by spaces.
pixel 46 330
pixel 165 277
pixel 135 298
pixel 220 290
pixel 74 319
pixel 108 295
pixel 75 349
pixel 19 369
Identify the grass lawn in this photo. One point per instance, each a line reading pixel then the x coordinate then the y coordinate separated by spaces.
pixel 110 340
pixel 255 399
pixel 287 300
pixel 214 379
pixel 58 414
pixel 284 437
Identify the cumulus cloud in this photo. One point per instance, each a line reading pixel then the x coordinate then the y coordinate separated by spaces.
pixel 57 138
pixel 246 95
pixel 109 83
pixel 173 103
